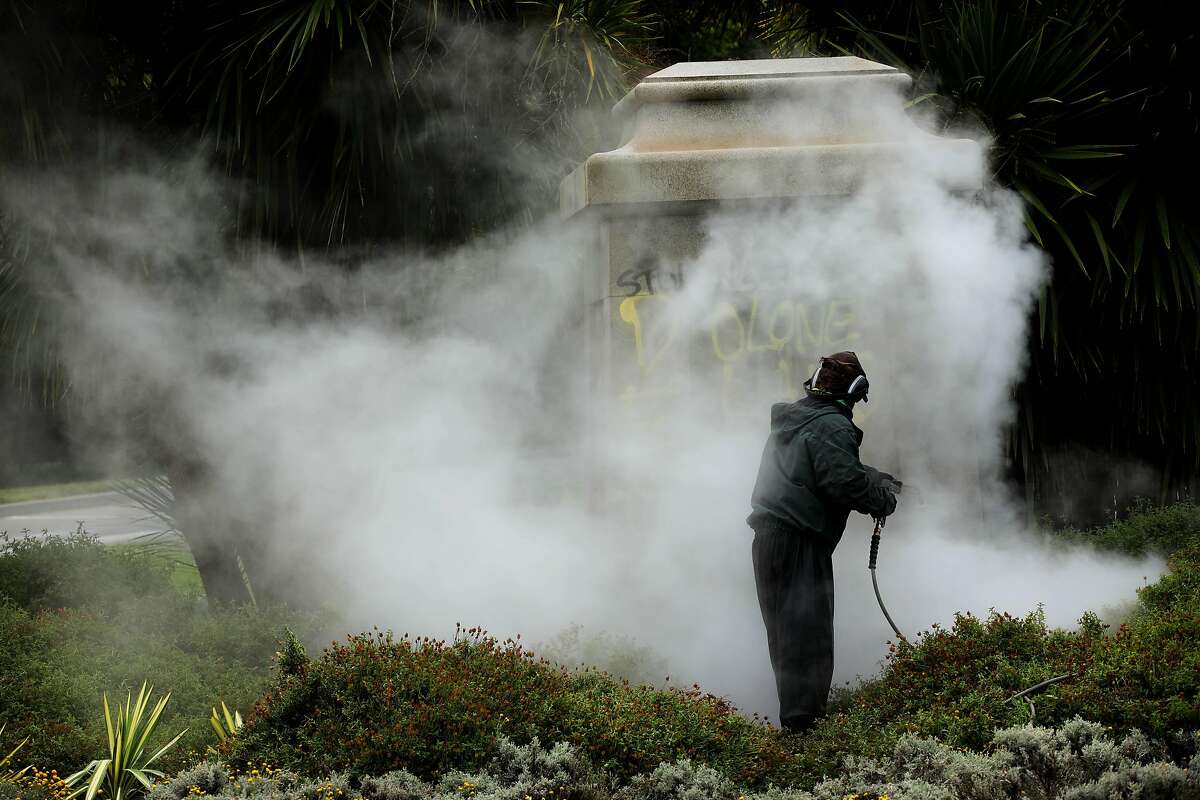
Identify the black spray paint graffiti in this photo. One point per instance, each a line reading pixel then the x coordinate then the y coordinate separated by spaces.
pixel 646 276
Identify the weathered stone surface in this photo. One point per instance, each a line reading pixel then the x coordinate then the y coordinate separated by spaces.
pixel 750 129
pixel 729 141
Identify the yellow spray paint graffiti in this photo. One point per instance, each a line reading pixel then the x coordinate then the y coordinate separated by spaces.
pixel 756 343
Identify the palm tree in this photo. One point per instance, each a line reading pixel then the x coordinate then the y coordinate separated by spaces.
pixel 1090 104
pixel 359 120
pixel 346 123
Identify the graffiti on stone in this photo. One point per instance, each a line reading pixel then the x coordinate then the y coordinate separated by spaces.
pixel 751 344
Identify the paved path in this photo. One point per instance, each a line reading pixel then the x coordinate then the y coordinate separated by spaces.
pixel 109 515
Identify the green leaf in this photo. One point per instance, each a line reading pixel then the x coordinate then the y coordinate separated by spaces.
pixel 140 777
pixel 1123 200
pixel 98 776
pixel 1139 242
pixel 919 99
pixel 1083 151
pixel 1033 229
pixel 1066 239
pixel 1033 200
pixel 1164 225
pixel 1101 243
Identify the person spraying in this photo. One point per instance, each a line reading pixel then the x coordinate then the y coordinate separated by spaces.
pixel 809 481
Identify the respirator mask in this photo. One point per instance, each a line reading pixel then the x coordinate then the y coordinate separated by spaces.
pixel 857 390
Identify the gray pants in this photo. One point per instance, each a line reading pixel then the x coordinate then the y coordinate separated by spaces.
pixel 794 575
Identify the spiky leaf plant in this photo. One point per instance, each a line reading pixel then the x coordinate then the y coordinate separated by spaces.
pixel 227 725
pixel 7 774
pixel 127 769
pixel 1090 108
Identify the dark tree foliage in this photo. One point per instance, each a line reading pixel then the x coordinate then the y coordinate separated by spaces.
pixel 1095 123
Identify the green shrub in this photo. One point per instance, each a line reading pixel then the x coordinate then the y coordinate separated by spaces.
pixel 1147 530
pixel 68 659
pixel 37 692
pixel 955 684
pixel 619 656
pixel 375 704
pixel 74 642
pixel 47 572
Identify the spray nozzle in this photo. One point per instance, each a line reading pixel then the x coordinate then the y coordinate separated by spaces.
pixel 879 523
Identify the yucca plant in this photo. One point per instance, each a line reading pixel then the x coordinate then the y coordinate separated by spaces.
pixel 7 774
pixel 330 107
pixel 587 46
pixel 127 770
pixel 227 725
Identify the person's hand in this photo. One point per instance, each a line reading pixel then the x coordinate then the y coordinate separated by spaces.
pixel 890 483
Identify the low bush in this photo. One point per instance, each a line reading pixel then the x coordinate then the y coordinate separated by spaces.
pixel 1147 529
pixel 40 573
pixel 375 704
pixel 1079 761
pixel 105 623
pixel 956 684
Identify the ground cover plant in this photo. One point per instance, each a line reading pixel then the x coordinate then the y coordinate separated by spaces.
pixel 1079 761
pixel 78 619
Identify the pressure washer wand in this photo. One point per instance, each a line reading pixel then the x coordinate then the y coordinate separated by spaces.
pixel 879 523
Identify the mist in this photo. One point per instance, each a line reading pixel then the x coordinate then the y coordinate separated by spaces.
pixel 422 439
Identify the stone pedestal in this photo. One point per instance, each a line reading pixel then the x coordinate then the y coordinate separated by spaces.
pixel 727 138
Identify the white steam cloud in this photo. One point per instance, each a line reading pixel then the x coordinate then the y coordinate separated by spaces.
pixel 428 449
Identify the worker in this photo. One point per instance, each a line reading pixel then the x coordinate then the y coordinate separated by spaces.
pixel 809 481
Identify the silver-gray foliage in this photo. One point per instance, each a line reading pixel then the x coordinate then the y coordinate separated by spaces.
pixel 398 785
pixel 520 771
pixel 1079 761
pixel 682 780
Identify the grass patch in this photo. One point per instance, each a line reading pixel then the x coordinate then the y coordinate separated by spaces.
pixel 1148 530
pixel 52 491
pixel 174 554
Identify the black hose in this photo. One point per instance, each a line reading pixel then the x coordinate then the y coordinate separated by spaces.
pixel 883 608
pixel 1037 687
pixel 1026 694
pixel 875 582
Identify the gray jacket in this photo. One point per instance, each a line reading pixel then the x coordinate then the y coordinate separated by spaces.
pixel 810 477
